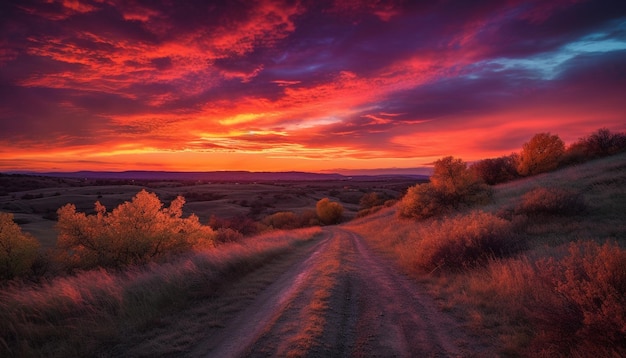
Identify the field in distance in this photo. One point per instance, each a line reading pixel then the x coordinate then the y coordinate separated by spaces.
pixel 34 200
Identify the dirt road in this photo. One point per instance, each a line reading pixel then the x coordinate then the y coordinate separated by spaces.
pixel 340 299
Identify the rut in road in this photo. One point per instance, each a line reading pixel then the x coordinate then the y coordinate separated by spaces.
pixel 343 300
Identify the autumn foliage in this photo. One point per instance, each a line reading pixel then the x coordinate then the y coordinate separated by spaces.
pixel 133 233
pixel 329 212
pixel 574 302
pixel 18 250
pixel 497 170
pixel 545 152
pixel 462 242
pixel 541 154
pixel 556 201
pixel 451 185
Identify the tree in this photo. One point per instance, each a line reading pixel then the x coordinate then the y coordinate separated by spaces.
pixel 329 212
pixel 541 154
pixel 454 181
pixel 18 250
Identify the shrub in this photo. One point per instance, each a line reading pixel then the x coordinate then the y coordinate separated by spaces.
pixel 133 233
pixel 282 220
pixel 541 154
pixel 370 200
pixel 18 250
pixel 329 212
pixel 574 304
pixel 309 218
pixel 224 235
pixel 602 143
pixel 241 223
pixel 464 241
pixel 576 153
pixel 496 170
pixel 588 311
pixel 452 185
pixel 552 201
pixel 453 180
pixel 599 144
pixel 421 201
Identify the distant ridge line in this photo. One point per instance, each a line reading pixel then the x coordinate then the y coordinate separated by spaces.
pixel 214 175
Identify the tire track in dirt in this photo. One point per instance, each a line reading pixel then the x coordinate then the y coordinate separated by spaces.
pixel 343 300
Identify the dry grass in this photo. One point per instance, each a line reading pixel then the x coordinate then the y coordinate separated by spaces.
pixel 75 316
pixel 567 304
pixel 561 293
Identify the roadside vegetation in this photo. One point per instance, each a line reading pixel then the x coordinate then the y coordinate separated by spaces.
pixel 541 266
pixel 76 315
pixel 528 248
pixel 117 271
pixel 18 250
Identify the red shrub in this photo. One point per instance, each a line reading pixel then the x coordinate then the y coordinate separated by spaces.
pixel 587 314
pixel 464 241
pixel 551 201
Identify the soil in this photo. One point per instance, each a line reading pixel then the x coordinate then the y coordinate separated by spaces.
pixel 339 299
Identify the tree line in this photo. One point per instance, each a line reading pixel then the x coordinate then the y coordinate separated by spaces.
pixel 454 183
pixel 545 152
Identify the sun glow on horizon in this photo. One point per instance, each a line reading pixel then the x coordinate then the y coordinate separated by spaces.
pixel 275 86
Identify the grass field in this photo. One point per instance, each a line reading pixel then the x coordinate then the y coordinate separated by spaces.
pixel 35 209
pixel 541 269
pixel 556 283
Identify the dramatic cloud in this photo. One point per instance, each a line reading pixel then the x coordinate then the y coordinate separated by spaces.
pixel 300 85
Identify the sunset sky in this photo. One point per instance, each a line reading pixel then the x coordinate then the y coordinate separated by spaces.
pixel 300 85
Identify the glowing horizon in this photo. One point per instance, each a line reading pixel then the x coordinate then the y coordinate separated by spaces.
pixel 296 85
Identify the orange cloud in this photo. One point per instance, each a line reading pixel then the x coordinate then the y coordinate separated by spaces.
pixel 293 85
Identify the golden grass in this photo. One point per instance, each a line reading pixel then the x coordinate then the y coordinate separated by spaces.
pixel 76 315
pixel 563 293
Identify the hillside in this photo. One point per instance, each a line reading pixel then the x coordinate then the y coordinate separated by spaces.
pixel 556 266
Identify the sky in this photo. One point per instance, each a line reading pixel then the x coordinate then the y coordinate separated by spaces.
pixel 301 85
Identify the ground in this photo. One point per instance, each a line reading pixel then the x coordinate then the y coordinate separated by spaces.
pixel 334 297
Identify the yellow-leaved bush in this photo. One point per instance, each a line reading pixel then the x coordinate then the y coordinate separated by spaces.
pixel 135 232
pixel 18 250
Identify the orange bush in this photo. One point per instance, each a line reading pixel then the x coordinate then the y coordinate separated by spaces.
pixel 422 201
pixel 588 311
pixel 452 186
pixel 463 241
pixel 551 201
pixel 287 220
pixel 496 170
pixel 135 232
pixel 329 212
pixel 18 250
pixel 574 304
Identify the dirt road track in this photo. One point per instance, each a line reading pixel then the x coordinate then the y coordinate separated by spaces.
pixel 342 300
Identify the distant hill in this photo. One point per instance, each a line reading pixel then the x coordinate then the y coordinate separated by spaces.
pixel 243 176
